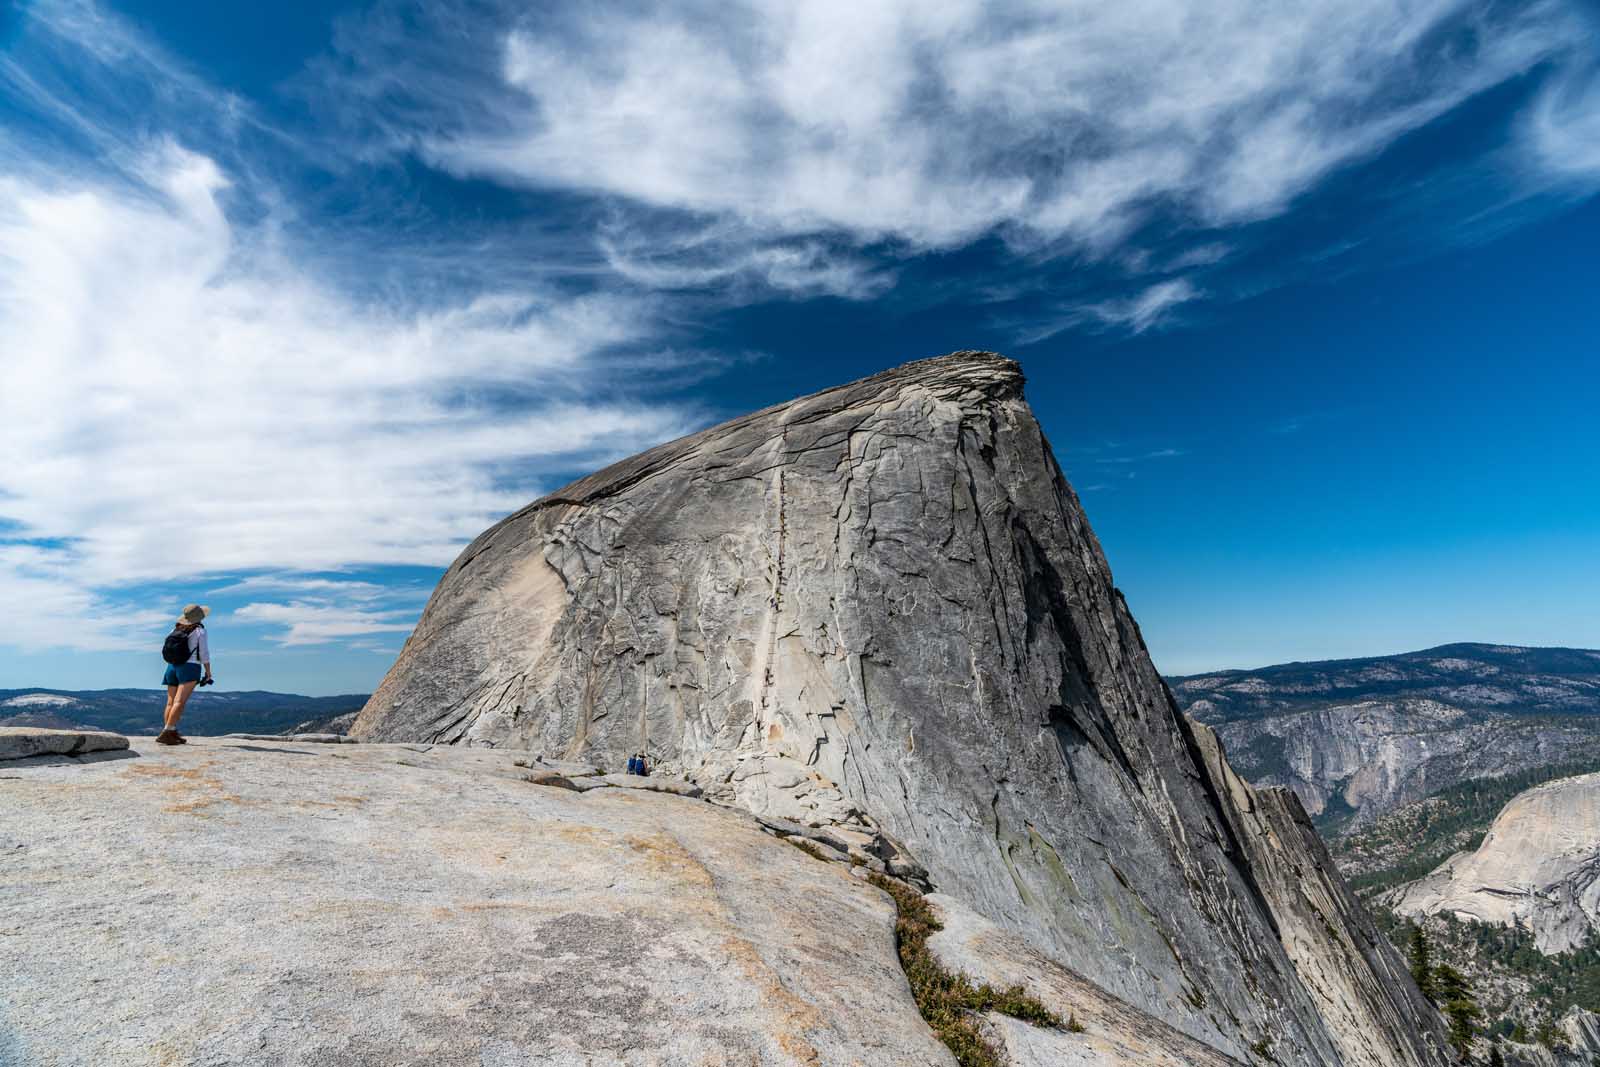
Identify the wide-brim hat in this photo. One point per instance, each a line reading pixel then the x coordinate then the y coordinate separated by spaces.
pixel 194 614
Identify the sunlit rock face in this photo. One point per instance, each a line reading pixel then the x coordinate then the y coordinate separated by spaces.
pixel 882 605
pixel 1538 867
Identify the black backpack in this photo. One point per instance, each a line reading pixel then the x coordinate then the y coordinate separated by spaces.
pixel 175 649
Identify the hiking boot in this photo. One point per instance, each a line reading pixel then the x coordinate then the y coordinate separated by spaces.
pixel 169 737
pixel 181 739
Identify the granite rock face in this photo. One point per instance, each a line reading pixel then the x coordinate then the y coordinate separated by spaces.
pixel 881 607
pixel 1538 866
pixel 1361 983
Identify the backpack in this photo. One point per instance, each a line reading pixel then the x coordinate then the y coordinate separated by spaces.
pixel 175 649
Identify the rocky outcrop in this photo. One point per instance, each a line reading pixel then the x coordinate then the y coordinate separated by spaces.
pixel 23 742
pixel 1352 763
pixel 1538 867
pixel 1359 738
pixel 1577 1044
pixel 881 607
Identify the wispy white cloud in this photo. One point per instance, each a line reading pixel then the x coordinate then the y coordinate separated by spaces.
pixel 196 385
pixel 1561 132
pixel 308 622
pixel 191 399
pixel 759 147
pixel 730 257
pixel 347 589
pixel 1142 311
pixel 1160 453
pixel 933 124
pixel 49 605
pixel 1198 256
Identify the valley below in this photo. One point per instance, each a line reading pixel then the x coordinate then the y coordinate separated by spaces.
pixel 1358 738
pixel 1454 788
pixel 137 711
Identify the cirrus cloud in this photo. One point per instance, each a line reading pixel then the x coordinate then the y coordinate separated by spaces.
pixel 936 124
pixel 185 397
pixel 190 397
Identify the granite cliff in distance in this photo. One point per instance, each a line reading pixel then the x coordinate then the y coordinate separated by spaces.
pixel 1358 738
pixel 1538 868
pixel 881 608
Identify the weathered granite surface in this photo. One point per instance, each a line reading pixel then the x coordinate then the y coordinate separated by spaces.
pixel 23 742
pixel 882 606
pixel 1539 865
pixel 312 739
pixel 653 784
pixel 283 905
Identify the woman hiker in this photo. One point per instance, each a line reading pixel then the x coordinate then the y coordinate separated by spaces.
pixel 186 652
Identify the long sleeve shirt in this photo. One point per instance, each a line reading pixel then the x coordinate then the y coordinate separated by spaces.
pixel 198 648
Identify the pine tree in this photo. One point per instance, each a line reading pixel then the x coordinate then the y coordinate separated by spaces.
pixel 1495 1059
pixel 1459 1005
pixel 1450 984
pixel 1422 963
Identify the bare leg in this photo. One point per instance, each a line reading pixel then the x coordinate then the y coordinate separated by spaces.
pixel 166 714
pixel 180 698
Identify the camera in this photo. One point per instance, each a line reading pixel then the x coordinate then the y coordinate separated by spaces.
pixel 207 681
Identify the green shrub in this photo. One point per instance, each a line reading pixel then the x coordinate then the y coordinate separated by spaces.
pixel 949 999
pixel 808 848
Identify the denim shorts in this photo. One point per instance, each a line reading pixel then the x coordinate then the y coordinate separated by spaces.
pixel 181 674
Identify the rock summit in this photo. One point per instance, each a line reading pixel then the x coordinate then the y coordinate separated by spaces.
pixel 881 608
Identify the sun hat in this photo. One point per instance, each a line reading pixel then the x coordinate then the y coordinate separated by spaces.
pixel 194 613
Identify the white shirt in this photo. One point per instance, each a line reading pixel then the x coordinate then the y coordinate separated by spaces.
pixel 198 648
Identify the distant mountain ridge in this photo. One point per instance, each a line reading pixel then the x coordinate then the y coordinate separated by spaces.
pixel 1499 677
pixel 138 711
pixel 1360 737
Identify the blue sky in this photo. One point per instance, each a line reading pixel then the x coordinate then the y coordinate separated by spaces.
pixel 294 303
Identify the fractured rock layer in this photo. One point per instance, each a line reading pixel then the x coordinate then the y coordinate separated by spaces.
pixel 882 604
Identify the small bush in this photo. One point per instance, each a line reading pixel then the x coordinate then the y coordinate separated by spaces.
pixel 948 999
pixel 808 848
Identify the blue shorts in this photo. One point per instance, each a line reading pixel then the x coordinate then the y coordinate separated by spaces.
pixel 181 674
